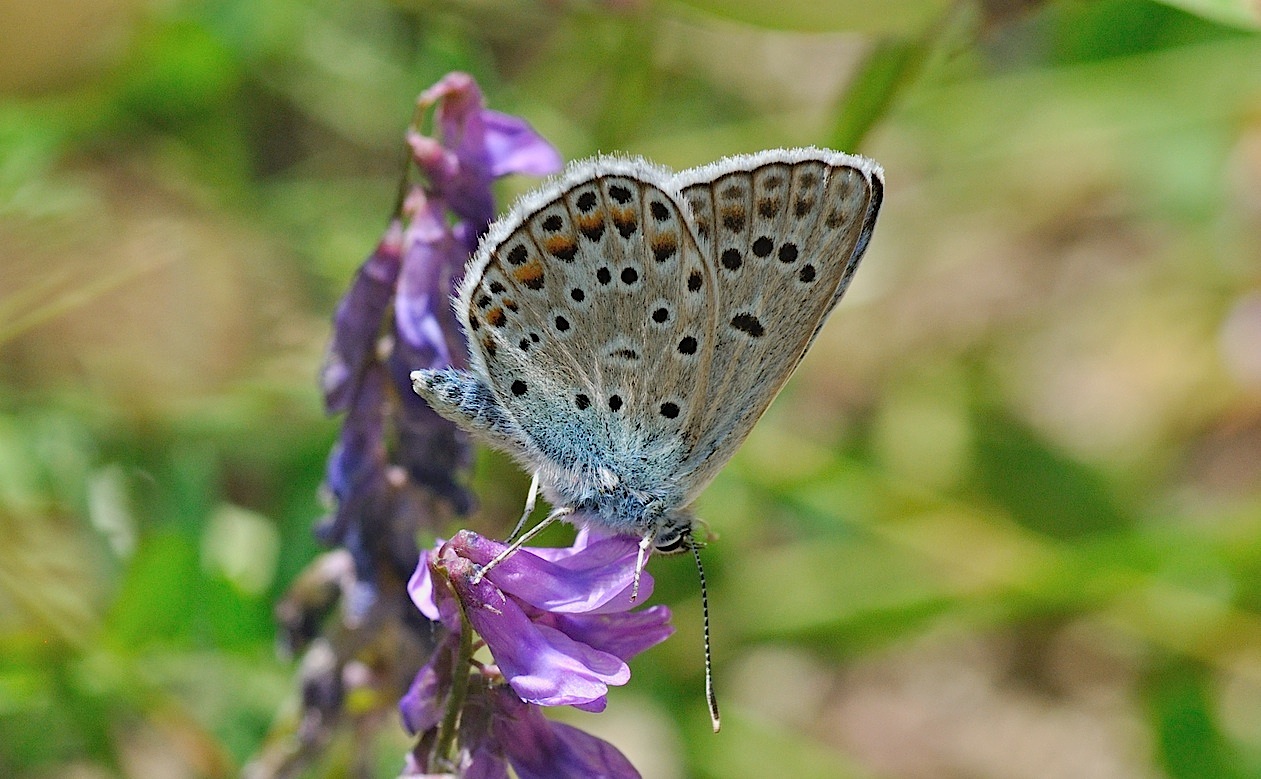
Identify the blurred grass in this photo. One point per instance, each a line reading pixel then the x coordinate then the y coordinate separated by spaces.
pixel 1005 522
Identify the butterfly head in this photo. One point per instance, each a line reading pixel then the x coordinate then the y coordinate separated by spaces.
pixel 672 532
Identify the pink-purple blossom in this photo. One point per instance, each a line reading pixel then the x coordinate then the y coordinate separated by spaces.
pixel 497 730
pixel 475 146
pixel 559 625
pixel 395 318
pixel 557 621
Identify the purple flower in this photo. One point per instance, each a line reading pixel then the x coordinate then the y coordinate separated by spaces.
pixel 497 730
pixel 396 318
pixel 433 258
pixel 422 707
pixel 557 621
pixel 397 466
pixel 357 322
pixel 541 749
pixel 429 449
pixel 477 146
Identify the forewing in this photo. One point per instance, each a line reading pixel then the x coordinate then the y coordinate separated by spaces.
pixel 577 310
pixel 784 232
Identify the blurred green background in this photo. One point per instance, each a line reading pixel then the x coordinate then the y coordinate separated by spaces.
pixel 1004 522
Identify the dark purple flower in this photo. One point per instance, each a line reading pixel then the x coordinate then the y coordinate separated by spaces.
pixel 397 466
pixel 538 748
pixel 497 730
pixel 396 318
pixel 433 257
pixel 357 467
pixel 383 497
pixel 423 705
pixel 430 449
pixel 557 621
pixel 357 322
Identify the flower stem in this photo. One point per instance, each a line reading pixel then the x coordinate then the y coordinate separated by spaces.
pixel 444 749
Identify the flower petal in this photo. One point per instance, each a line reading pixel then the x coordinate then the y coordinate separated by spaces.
pixel 420 587
pixel 542 664
pixel 422 706
pixel 595 578
pixel 541 749
pixel 355 472
pixel 484 764
pixel 623 635
pixel 357 323
pixel 431 258
pixel 513 146
pixel 477 145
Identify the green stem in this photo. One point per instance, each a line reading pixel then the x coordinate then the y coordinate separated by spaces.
pixel 887 71
pixel 444 749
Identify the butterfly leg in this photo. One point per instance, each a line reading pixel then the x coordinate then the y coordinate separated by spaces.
pixel 460 397
pixel 556 514
pixel 529 506
pixel 640 560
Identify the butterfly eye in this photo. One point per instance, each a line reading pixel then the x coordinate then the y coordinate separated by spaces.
pixel 672 539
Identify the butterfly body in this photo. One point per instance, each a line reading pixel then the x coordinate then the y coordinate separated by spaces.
pixel 627 325
pixel 628 492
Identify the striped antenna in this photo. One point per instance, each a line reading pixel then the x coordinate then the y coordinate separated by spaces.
pixel 710 698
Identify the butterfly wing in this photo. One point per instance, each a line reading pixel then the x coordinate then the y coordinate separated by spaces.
pixel 783 232
pixel 586 313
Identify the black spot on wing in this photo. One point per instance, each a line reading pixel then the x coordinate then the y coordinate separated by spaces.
pixel 747 323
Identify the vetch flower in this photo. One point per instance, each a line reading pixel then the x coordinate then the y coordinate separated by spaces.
pixel 396 318
pixel 423 319
pixel 538 748
pixel 476 146
pixel 424 703
pixel 557 621
pixel 397 467
pixel 559 626
pixel 497 730
pixel 357 321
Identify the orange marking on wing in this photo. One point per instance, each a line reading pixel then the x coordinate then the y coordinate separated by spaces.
pixel 592 225
pixel 562 246
pixel 624 221
pixel 530 275
pixel 664 245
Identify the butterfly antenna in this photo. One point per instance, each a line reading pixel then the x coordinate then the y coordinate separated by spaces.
pixel 520 542
pixel 710 698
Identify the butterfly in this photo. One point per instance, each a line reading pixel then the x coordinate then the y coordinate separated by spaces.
pixel 628 325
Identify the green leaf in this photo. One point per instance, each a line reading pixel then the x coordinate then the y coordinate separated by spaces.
pixel 1236 13
pixel 1187 738
pixel 1042 488
pixel 869 16
pixel 890 65
pixel 157 599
